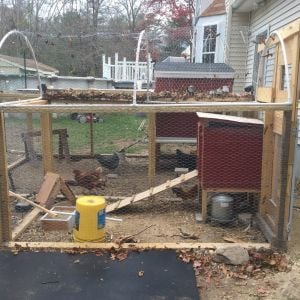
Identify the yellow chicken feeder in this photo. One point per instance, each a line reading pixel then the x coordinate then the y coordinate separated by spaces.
pixel 89 219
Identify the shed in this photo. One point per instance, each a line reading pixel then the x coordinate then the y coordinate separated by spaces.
pixel 229 151
pixel 177 76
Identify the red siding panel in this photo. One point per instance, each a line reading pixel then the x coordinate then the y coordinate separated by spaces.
pixel 230 155
pixel 176 125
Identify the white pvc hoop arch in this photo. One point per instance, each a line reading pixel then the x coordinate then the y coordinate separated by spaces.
pixel 12 32
pixel 137 57
pixel 286 66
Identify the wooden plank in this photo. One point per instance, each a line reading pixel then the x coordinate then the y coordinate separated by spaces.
pixel 92 135
pixel 281 236
pixel 49 189
pixel 295 95
pixel 5 216
pixel 236 119
pixel 97 246
pixel 264 94
pixel 25 223
pixel 67 192
pixel 278 122
pixel 152 191
pixel 46 133
pixel 207 106
pixel 41 208
pixel 65 144
pixel 152 148
pixel 28 142
pixel 17 163
pixel 267 163
pixel 35 101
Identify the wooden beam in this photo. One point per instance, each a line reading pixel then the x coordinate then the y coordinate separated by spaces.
pixel 5 216
pixel 181 107
pixel 41 208
pixel 49 189
pixel 267 163
pixel 46 133
pixel 92 135
pixel 67 192
pixel 280 240
pixel 17 163
pixel 151 148
pixel 96 246
pixel 28 219
pixel 152 191
pixel 264 94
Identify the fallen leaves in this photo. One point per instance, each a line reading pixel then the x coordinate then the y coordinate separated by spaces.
pixel 260 263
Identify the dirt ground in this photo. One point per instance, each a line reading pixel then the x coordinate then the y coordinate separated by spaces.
pixel 169 216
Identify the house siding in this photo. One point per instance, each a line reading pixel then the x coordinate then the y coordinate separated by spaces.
pixel 272 16
pixel 238 42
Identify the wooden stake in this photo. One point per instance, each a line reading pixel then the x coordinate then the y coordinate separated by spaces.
pixel 29 218
pixel 152 148
pixel 5 226
pixel 46 132
pixel 92 134
pixel 51 213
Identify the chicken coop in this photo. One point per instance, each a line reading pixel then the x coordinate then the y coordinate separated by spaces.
pixel 229 151
pixel 63 144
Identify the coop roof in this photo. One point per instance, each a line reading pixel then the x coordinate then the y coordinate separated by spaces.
pixel 235 119
pixel 30 64
pixel 192 70
pixel 217 7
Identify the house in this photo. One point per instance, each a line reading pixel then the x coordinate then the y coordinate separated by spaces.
pixel 15 73
pixel 241 27
pixel 209 32
pixel 249 21
pixel 12 76
pixel 10 65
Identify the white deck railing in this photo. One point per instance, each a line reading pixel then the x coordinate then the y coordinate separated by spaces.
pixel 124 70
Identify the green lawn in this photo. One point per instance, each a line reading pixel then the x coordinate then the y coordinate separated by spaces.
pixel 117 131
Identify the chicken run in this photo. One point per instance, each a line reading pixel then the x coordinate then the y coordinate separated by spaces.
pixel 177 167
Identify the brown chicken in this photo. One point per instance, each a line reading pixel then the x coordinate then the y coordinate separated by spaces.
pixel 186 193
pixel 89 179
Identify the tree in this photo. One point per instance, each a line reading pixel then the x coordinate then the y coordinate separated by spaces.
pixel 133 11
pixel 175 21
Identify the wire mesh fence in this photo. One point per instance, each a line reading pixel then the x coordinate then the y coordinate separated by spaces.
pixel 166 175
pixel 113 158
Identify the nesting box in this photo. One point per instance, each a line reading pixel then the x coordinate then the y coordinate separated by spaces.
pixel 229 152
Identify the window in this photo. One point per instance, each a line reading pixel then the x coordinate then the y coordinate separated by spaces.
pixel 209 44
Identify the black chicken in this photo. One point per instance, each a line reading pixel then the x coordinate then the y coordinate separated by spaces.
pixel 186 160
pixel 111 162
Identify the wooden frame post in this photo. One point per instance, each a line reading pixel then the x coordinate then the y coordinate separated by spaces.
pixel 46 132
pixel 92 134
pixel 5 226
pixel 152 148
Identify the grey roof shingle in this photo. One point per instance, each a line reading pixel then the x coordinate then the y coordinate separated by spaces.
pixel 193 67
